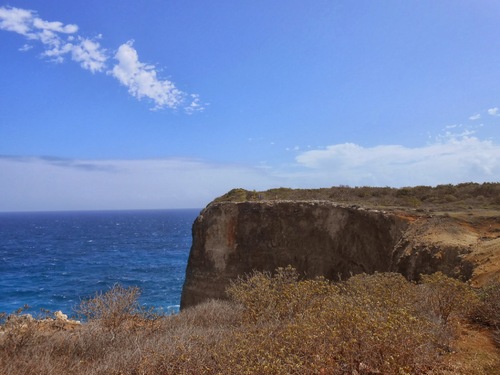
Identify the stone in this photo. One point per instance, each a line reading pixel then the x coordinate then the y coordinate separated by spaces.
pixel 318 238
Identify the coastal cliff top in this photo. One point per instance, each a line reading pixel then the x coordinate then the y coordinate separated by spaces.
pixel 442 198
pixel 465 215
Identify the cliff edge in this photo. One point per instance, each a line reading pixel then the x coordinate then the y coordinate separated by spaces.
pixel 324 238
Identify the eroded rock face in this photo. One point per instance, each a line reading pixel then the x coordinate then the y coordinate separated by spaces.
pixel 433 244
pixel 318 238
pixel 321 238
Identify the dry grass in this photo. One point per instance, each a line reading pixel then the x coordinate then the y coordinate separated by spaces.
pixel 273 324
pixel 441 197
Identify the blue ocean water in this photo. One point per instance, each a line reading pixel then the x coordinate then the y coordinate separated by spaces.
pixel 52 260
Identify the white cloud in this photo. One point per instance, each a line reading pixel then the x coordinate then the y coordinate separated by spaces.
pixel 457 135
pixel 454 159
pixel 56 38
pixel 142 81
pixel 34 183
pixel 493 111
pixel 477 116
pixel 60 40
pixel 195 105
pixel 17 20
pixel 54 26
pixel 89 54
pixel 25 48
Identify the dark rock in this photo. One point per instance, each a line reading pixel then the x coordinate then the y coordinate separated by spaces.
pixel 318 238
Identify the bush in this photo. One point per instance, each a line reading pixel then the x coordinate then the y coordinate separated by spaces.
pixel 487 310
pixel 273 298
pixel 369 323
pixel 446 297
pixel 442 196
pixel 117 306
pixel 274 324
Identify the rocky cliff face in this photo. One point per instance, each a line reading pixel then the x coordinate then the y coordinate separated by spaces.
pixel 318 238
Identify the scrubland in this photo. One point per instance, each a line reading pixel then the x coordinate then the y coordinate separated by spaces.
pixel 448 197
pixel 272 324
pixel 281 323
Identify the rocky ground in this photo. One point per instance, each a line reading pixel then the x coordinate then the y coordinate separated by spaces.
pixel 473 232
pixel 477 233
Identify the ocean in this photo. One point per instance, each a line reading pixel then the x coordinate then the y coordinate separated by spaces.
pixel 52 260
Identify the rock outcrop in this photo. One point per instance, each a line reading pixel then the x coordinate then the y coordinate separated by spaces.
pixel 24 323
pixel 318 238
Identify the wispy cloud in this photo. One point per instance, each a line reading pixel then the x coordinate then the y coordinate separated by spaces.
pixel 477 116
pixel 142 81
pixel 84 165
pixel 493 111
pixel 25 48
pixel 51 183
pixel 195 105
pixel 60 40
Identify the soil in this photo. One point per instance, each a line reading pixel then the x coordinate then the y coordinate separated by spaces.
pixel 475 349
pixel 478 230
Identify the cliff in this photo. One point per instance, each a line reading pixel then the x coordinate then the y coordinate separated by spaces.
pixel 322 238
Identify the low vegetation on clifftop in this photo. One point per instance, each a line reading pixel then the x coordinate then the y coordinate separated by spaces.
pixel 339 231
pixel 272 324
pixel 461 196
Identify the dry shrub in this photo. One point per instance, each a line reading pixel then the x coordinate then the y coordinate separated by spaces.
pixel 274 324
pixel 109 342
pixel 117 306
pixel 446 297
pixel 270 298
pixel 209 314
pixel 18 331
pixel 486 195
pixel 370 323
pixel 190 341
pixel 487 310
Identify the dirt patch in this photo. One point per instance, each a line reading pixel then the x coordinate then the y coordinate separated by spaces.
pixel 486 252
pixel 475 352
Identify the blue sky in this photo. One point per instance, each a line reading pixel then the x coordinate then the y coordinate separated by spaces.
pixel 168 104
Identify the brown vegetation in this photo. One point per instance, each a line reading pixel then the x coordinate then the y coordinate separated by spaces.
pixel 273 324
pixel 441 197
pixel 283 324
